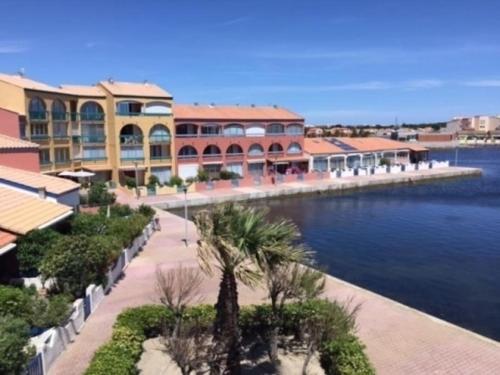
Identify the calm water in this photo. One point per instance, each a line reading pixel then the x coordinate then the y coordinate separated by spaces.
pixel 433 246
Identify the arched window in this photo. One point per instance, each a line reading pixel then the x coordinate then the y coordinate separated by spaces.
pixel 234 149
pixel 275 148
pixel 186 130
pixel 187 152
pixel 211 130
pixel 158 108
pixel 128 108
pixel 37 109
pixel 294 148
pixel 234 130
pixel 212 150
pixel 91 111
pixel 295 129
pixel 159 134
pixel 255 130
pixel 256 150
pixel 276 129
pixel 131 143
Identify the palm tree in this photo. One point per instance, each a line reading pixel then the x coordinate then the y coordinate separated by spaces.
pixel 241 243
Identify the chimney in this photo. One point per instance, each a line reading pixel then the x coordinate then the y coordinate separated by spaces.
pixel 42 192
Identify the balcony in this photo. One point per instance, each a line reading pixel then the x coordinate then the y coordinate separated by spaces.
pixel 46 165
pixel 234 156
pixel 61 138
pixel 38 116
pixel 135 114
pixel 276 154
pixel 59 116
pixel 160 159
pixel 132 159
pixel 40 138
pixel 187 157
pixel 131 140
pixel 92 117
pixel 212 157
pixel 163 139
pixel 96 139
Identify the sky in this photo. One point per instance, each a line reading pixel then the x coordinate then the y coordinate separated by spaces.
pixel 336 61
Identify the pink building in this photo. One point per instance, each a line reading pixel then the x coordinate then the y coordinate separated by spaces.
pixel 249 141
pixel 16 153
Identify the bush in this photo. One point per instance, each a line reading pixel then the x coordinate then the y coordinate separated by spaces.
pixel 202 175
pixel 130 182
pixel 146 320
pixel 89 225
pixel 228 175
pixel 32 248
pixel 175 181
pixel 51 312
pixel 15 302
pixel 14 349
pixel 146 211
pixel 98 194
pixel 153 181
pixel 384 161
pixel 117 210
pixel 112 359
pixel 345 356
pixel 78 261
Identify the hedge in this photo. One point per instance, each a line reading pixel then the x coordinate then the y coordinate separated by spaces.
pixel 343 356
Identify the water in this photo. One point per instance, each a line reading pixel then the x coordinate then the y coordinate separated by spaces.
pixel 433 246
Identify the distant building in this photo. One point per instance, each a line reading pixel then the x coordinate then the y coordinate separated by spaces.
pixel 479 124
pixel 314 132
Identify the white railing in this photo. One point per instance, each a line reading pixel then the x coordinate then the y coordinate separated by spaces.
pixel 54 341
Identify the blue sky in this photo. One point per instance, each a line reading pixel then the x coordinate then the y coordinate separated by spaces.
pixel 346 61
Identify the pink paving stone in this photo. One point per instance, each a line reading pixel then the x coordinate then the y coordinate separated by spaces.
pixel 399 340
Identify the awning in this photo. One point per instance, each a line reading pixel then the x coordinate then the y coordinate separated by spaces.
pixel 287 159
pixel 78 174
pixel 211 162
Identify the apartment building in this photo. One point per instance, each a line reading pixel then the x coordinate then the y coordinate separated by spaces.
pixel 248 141
pixel 478 124
pixel 115 129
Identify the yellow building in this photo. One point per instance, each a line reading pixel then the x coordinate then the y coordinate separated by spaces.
pixel 116 129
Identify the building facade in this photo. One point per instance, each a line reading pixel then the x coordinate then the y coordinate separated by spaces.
pixel 118 130
pixel 249 141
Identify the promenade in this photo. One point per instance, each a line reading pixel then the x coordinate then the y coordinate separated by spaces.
pixel 399 340
pixel 292 188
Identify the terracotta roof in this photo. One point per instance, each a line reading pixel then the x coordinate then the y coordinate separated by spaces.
pixel 7 142
pixel 144 90
pixel 93 91
pixel 26 83
pixel 54 185
pixel 316 146
pixel 230 113
pixel 22 212
pixel 6 238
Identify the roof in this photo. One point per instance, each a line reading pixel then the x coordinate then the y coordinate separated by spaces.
pixel 26 83
pixel 92 91
pixel 22 212
pixel 6 238
pixel 143 90
pixel 316 146
pixel 54 185
pixel 233 113
pixel 7 142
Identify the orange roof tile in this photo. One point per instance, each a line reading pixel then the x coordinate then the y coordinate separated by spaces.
pixel 316 146
pixel 54 185
pixel 144 90
pixel 22 212
pixel 6 238
pixel 92 91
pixel 7 142
pixel 27 83
pixel 233 113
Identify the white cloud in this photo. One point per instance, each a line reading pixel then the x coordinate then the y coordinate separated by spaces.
pixel 7 47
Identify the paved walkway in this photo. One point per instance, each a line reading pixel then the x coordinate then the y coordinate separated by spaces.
pixel 290 188
pixel 399 340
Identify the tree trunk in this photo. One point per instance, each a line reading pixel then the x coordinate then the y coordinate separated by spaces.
pixel 310 352
pixel 273 347
pixel 226 329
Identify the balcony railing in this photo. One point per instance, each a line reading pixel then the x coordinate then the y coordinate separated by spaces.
pixel 124 113
pixel 94 159
pixel 187 157
pixel 40 137
pixel 61 137
pixel 38 115
pixel 161 158
pixel 96 117
pixel 59 116
pixel 275 154
pixel 234 155
pixel 277 134
pixel 131 140
pixel 93 138
pixel 212 157
pixel 187 135
pixel 131 159
pixel 159 139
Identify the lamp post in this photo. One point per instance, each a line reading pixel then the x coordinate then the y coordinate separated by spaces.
pixel 184 188
pixel 136 180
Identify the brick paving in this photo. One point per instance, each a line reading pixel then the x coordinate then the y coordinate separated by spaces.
pixel 399 340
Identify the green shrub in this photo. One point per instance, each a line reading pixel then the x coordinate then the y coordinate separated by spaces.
pixel 228 175
pixel 202 175
pixel 345 356
pixel 89 225
pixel 130 182
pixel 384 161
pixel 78 261
pixel 175 181
pixel 128 340
pixel 16 302
pixel 146 211
pixel 112 359
pixel 153 181
pixel 117 210
pixel 99 195
pixel 146 320
pixel 51 312
pixel 14 349
pixel 204 315
pixel 31 249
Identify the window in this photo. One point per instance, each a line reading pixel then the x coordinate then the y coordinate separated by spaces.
pixel 39 131
pixel 58 110
pixel 62 155
pixel 37 105
pixel 91 111
pixel 159 152
pixel 234 149
pixel 294 148
pixel 234 130
pixel 163 174
pixel 159 133
pixel 128 108
pixel 294 129
pixel 256 150
pixel 256 169
pixel 337 163
pixel 235 168
pixel 320 164
pixel 94 153
pixel 276 129
pixel 211 130
pixel 44 157
pixel 60 130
